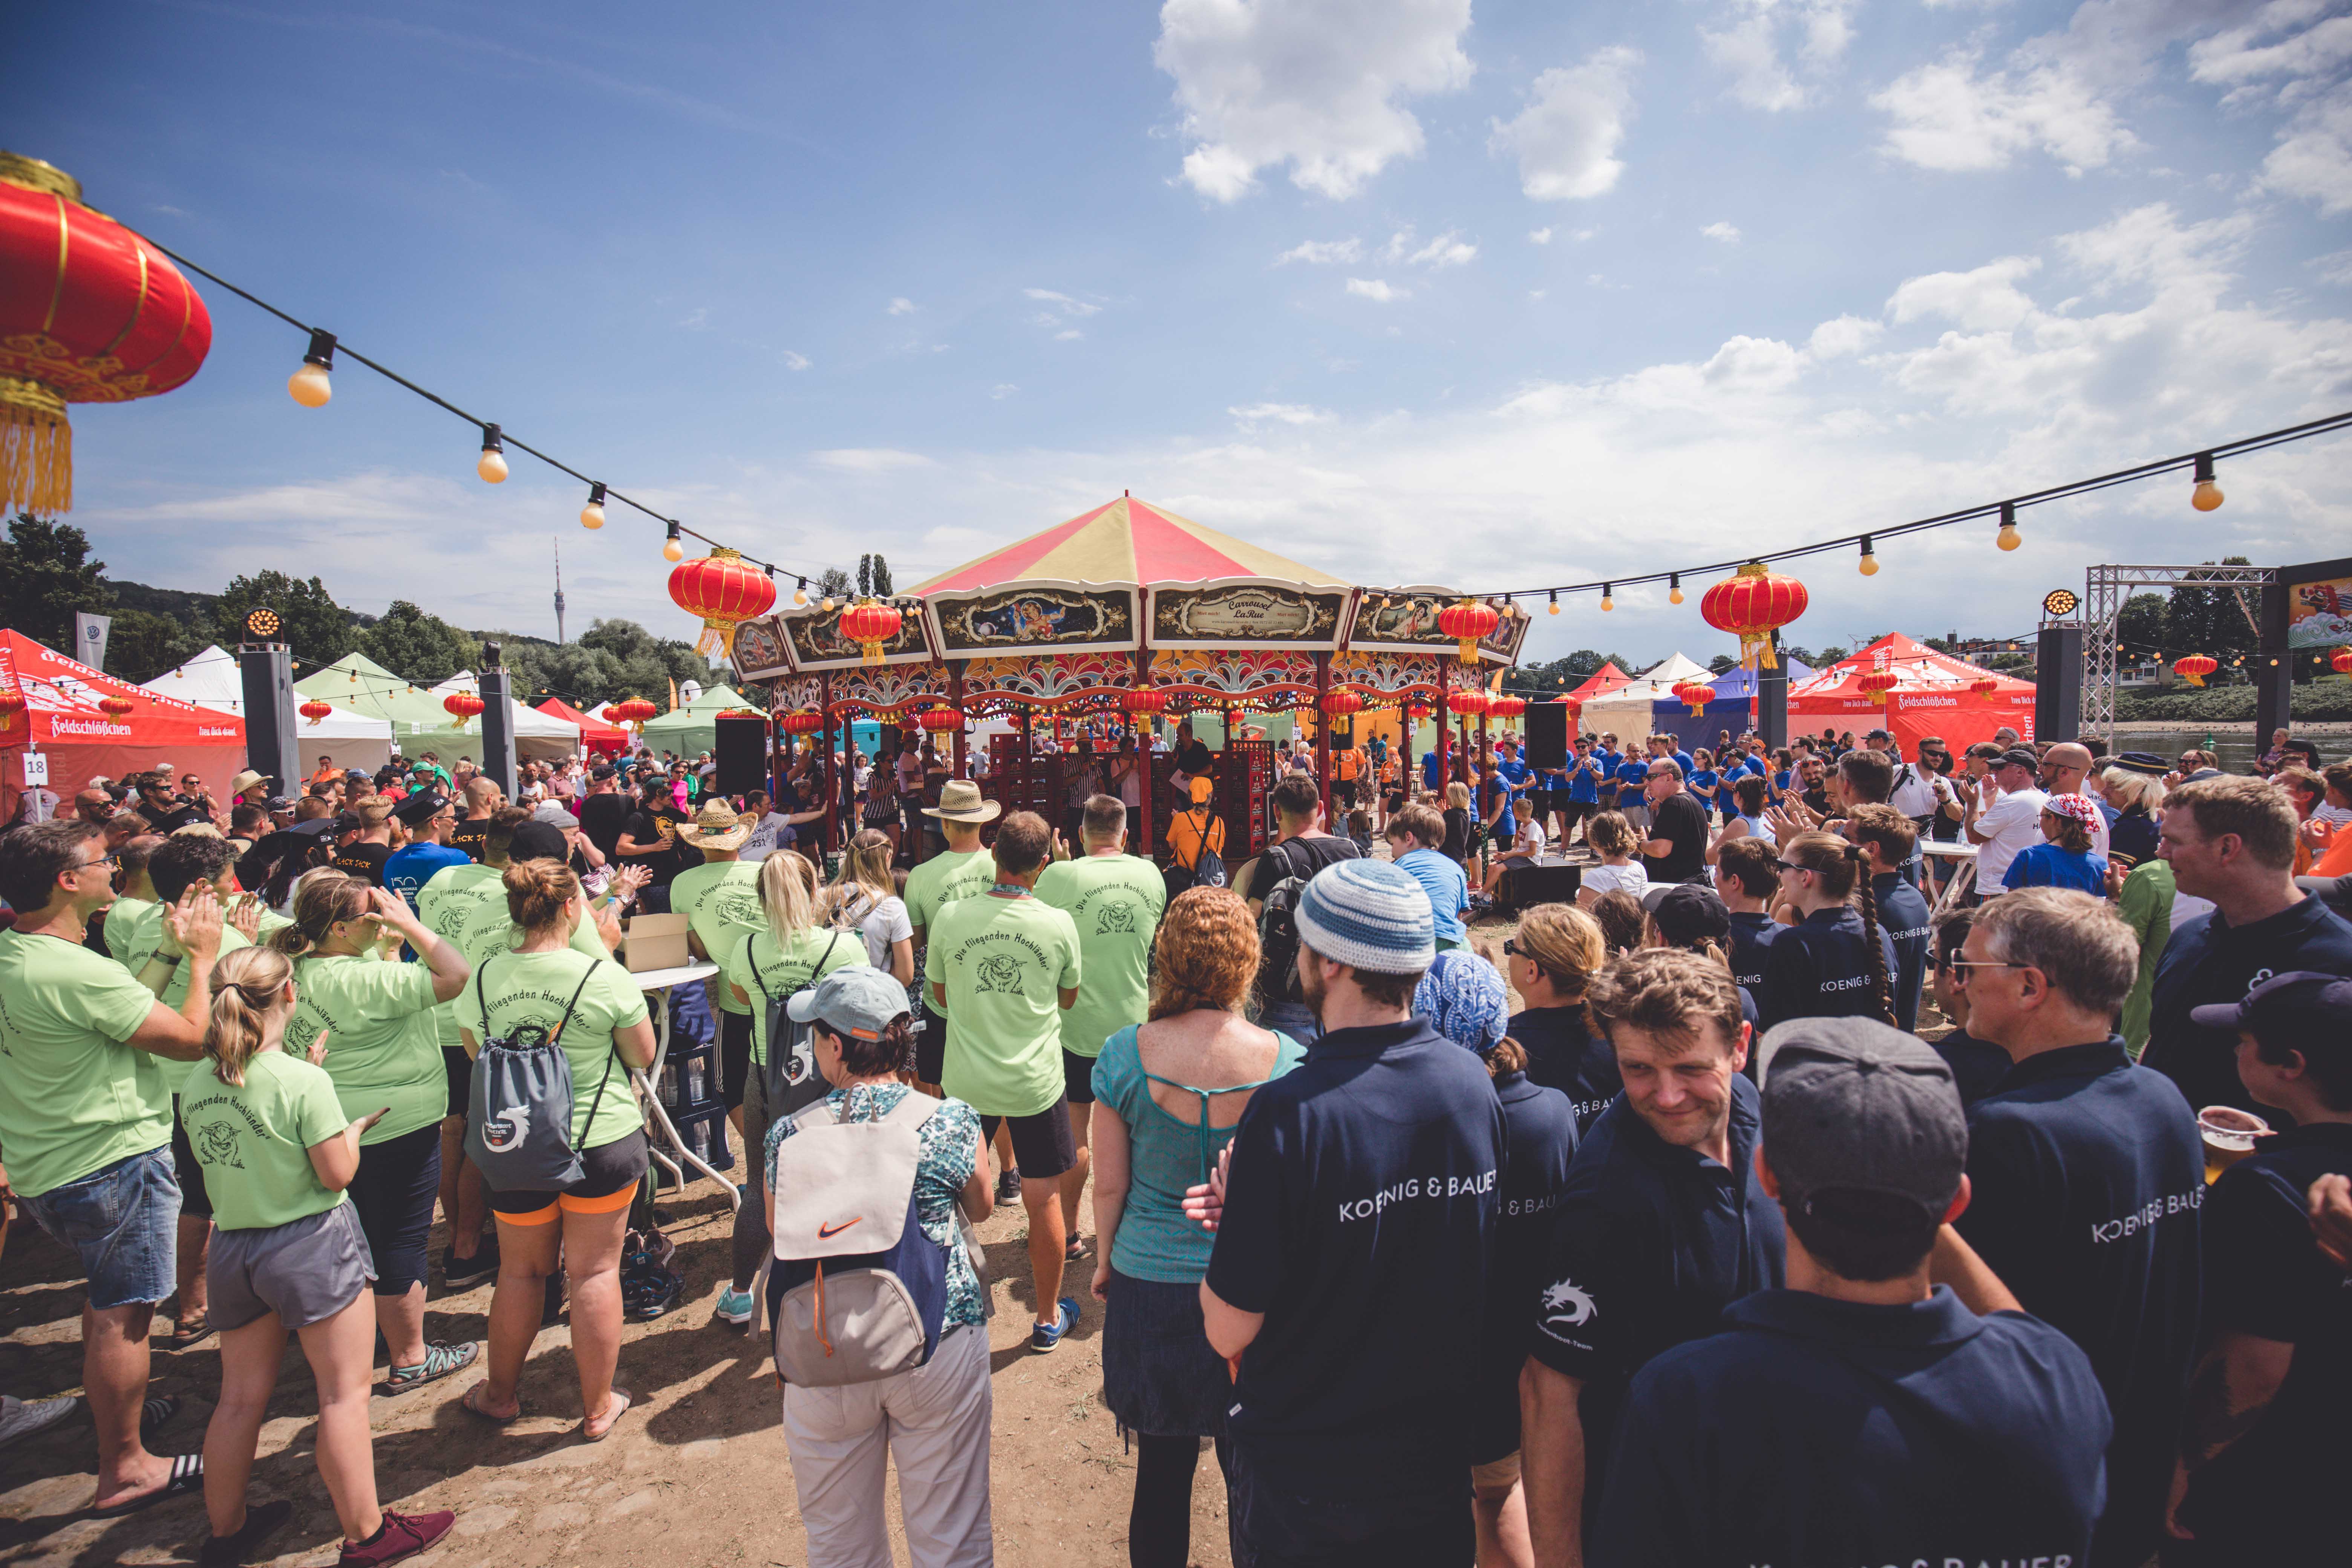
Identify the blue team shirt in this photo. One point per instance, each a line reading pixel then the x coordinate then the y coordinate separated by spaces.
pixel 1819 968
pixel 1514 772
pixel 1581 787
pixel 2046 865
pixel 1631 775
pixel 1703 786
pixel 1540 1131
pixel 1447 887
pixel 1566 1054
pixel 1752 932
pixel 1606 779
pixel 1432 769
pixel 408 870
pixel 1903 915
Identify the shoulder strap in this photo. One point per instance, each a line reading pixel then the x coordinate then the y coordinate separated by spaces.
pixel 611 1056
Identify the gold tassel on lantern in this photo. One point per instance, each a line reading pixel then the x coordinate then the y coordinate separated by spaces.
pixel 35 448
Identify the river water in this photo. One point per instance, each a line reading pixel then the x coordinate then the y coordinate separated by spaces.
pixel 2236 751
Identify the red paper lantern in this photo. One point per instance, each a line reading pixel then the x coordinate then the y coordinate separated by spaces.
pixel 804 721
pixel 1341 704
pixel 90 312
pixel 869 624
pixel 11 704
pixel 1751 604
pixel 1506 706
pixel 462 706
pixel 2194 667
pixel 1467 621
pixel 724 590
pixel 1876 682
pixel 1696 693
pixel 2342 659
pixel 1419 710
pixel 633 712
pixel 1466 704
pixel 115 707
pixel 1984 686
pixel 315 711
pixel 1145 699
pixel 940 720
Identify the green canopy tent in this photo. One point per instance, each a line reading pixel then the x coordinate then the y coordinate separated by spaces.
pixel 693 729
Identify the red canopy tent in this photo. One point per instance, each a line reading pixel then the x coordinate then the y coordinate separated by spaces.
pixel 595 735
pixel 1608 678
pixel 1934 694
pixel 62 722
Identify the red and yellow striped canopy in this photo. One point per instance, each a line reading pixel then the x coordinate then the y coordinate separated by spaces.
pixel 1127 541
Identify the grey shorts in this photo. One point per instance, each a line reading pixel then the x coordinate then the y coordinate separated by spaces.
pixel 306 1270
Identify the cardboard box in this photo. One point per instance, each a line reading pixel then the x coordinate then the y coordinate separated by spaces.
pixel 655 941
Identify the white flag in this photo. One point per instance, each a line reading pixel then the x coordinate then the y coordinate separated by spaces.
pixel 90 637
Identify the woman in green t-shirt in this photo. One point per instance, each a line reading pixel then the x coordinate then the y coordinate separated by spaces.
pixel 277 1151
pixel 377 1016
pixel 796 949
pixel 595 1011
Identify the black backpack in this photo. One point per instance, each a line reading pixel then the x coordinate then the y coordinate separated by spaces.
pixel 1207 870
pixel 1277 921
pixel 792 1079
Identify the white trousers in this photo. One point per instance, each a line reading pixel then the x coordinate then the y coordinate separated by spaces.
pixel 935 1421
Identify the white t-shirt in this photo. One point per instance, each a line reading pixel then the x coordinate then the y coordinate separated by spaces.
pixel 773 832
pixel 1917 792
pixel 1630 879
pixel 1130 785
pixel 1531 831
pixel 881 924
pixel 2011 824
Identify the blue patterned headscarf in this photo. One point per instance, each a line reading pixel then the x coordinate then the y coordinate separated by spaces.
pixel 1464 999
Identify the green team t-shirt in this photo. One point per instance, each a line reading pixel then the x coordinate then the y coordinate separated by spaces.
pixel 382 1050
pixel 466 906
pixel 150 938
pixel 1116 901
pixel 720 899
pixel 510 990
pixel 254 1139
pixel 73 1097
pixel 125 918
pixel 942 879
pixel 1004 962
pixel 764 970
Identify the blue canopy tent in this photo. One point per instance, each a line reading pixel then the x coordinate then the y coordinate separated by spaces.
pixel 1727 710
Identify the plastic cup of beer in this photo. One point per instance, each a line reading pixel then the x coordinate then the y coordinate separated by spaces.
pixel 2230 1136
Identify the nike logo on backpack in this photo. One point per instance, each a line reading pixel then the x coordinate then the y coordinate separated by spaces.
pixel 823 1231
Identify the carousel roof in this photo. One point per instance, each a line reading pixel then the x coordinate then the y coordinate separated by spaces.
pixel 1127 541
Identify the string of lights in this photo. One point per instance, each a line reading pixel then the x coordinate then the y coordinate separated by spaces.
pixel 312 386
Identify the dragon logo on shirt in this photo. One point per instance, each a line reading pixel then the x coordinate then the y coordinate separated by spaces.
pixel 1115 917
pixel 999 974
pixel 216 1142
pixel 1567 1306
pixel 507 1128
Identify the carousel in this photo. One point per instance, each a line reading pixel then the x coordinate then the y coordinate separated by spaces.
pixel 1109 625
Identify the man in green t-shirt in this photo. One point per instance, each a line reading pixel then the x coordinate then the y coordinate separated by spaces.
pixel 720 902
pixel 124 919
pixel 1003 967
pixel 964 870
pixel 1116 901
pixel 85 1109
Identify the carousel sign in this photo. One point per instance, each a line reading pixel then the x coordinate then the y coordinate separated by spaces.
pixel 1216 615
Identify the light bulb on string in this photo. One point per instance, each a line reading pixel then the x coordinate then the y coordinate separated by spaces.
pixel 592 515
pixel 1869 567
pixel 1608 596
pixel 673 548
pixel 1554 608
pixel 1673 587
pixel 492 463
pixel 827 605
pixel 2009 537
pixel 2208 494
pixel 309 385
pixel 800 594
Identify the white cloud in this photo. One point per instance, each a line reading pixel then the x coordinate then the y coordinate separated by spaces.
pixel 1002 390
pixel 1842 336
pixel 1539 237
pixel 696 318
pixel 1064 304
pixel 1067 335
pixel 1313 84
pixel 1749 47
pixel 1724 232
pixel 1281 413
pixel 870 460
pixel 1376 289
pixel 1448 249
pixel 1946 116
pixel 2304 73
pixel 1322 252
pixel 901 306
pixel 1565 138
pixel 793 360
pixel 1987 297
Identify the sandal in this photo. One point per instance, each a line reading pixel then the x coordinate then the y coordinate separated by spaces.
pixel 622 1395
pixel 440 1361
pixel 188 1332
pixel 157 1411
pixel 187 1476
pixel 1076 1250
pixel 465 1403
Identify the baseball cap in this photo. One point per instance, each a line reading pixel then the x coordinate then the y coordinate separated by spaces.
pixel 1688 914
pixel 419 807
pixel 857 999
pixel 2293 1009
pixel 601 771
pixel 349 822
pixel 2146 763
pixel 536 840
pixel 2020 756
pixel 1851 1105
pixel 553 816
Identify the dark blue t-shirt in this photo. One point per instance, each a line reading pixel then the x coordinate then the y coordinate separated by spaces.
pixel 1563 1053
pixel 2087 1176
pixel 1651 1242
pixel 1978 1066
pixel 1581 784
pixel 2210 960
pixel 1820 968
pixel 1432 770
pixel 1752 932
pixel 1540 1131
pixel 1815 1431
pixel 1605 782
pixel 2046 865
pixel 2264 1276
pixel 1358 1213
pixel 1903 916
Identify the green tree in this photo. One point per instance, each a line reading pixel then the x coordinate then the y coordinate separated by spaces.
pixel 141 646
pixel 2139 625
pixel 2215 622
pixel 419 647
pixel 1722 664
pixel 46 574
pixel 1830 655
pixel 833 583
pixel 873 576
pixel 320 630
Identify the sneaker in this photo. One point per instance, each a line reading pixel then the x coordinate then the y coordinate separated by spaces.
pixel 734 1310
pixel 440 1361
pixel 401 1535
pixel 1008 1187
pixel 261 1521
pixel 1044 1337
pixel 465 1273
pixel 23 1418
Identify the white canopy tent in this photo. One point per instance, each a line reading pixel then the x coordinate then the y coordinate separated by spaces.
pixel 212 680
pixel 536 734
pixel 1625 711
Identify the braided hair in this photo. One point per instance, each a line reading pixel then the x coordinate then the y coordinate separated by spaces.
pixel 1845 874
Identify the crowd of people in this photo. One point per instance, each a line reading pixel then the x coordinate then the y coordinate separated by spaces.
pixel 1783 1221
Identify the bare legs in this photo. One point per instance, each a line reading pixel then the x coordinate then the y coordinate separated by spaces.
pixel 1073 1180
pixel 114 1366
pixel 1047 1239
pixel 464 1199
pixel 194 1243
pixel 589 1245
pixel 1501 1515
pixel 341 1354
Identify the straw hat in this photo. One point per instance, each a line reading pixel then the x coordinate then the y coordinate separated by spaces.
pixel 716 827
pixel 960 801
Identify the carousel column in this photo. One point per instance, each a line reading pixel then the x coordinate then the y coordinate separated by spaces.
pixel 1143 737
pixel 960 762
pixel 1404 749
pixel 830 763
pixel 1323 733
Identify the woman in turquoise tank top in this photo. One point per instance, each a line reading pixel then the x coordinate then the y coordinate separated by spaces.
pixel 1168 1094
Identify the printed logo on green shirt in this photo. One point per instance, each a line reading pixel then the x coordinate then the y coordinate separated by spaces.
pixel 216 1144
pixel 1118 916
pixel 998 974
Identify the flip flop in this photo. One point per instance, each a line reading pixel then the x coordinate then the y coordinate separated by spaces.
pixel 157 1411
pixel 183 1335
pixel 623 1396
pixel 465 1403
pixel 187 1476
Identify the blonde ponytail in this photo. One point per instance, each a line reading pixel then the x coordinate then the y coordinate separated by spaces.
pixel 248 994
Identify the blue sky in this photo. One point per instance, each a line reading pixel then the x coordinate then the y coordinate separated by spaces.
pixel 1409 291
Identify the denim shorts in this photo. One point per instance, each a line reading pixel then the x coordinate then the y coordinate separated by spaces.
pixel 124 1220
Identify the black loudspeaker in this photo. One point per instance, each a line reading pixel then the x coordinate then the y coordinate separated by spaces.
pixel 1546 727
pixel 741 754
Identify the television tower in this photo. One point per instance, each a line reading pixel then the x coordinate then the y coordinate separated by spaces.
pixel 559 591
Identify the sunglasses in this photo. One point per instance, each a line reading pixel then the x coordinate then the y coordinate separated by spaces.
pixel 1964 965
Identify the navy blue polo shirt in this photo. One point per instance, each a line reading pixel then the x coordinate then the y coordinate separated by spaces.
pixel 2210 960
pixel 1978 1066
pixel 1539 1126
pixel 1816 1431
pixel 2088 1174
pixel 1903 916
pixel 1563 1053
pixel 1819 968
pixel 2262 1274
pixel 1752 932
pixel 1651 1242
pixel 1359 1212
